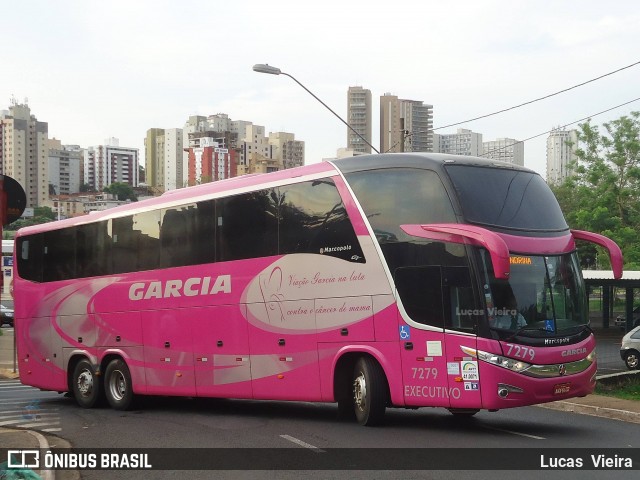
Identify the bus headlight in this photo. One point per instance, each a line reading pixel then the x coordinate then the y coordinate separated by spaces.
pixel 504 362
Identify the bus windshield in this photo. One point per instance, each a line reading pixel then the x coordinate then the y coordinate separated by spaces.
pixel 543 297
pixel 506 198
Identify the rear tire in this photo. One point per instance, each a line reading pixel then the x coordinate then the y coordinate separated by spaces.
pixel 117 385
pixel 632 359
pixel 86 385
pixel 369 392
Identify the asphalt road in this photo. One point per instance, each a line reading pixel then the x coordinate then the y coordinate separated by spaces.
pixel 300 428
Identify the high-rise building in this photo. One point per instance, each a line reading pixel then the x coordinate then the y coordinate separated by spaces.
pixel 359 118
pixel 163 159
pixel 561 147
pixel 288 151
pixel 405 125
pixel 65 168
pixel 464 142
pixel 504 150
pixel 23 151
pixel 210 160
pixel 110 163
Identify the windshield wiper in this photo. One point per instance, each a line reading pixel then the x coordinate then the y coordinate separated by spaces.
pixel 527 328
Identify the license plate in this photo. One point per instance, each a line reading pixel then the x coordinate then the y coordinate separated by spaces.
pixel 561 388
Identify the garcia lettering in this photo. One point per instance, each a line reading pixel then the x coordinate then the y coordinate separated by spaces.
pixel 191 287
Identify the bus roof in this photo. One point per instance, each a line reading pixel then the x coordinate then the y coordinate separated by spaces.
pixel 433 161
pixel 179 196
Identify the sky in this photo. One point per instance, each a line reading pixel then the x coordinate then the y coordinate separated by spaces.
pixel 94 69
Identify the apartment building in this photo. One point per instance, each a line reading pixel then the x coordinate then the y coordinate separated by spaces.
pixel 463 142
pixel 65 167
pixel 164 154
pixel 359 118
pixel 504 150
pixel 405 125
pixel 23 151
pixel 561 147
pixel 110 163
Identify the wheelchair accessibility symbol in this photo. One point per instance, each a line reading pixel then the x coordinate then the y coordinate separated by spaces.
pixel 405 332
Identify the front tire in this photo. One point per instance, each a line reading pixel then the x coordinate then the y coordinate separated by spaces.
pixel 86 385
pixel 632 359
pixel 369 392
pixel 117 385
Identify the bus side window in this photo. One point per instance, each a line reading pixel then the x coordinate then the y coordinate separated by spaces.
pixel 92 250
pixel 420 290
pixel 174 239
pixel 247 226
pixel 30 257
pixel 313 219
pixel 458 294
pixel 59 262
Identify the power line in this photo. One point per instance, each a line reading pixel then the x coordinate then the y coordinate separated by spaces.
pixel 540 98
pixel 563 126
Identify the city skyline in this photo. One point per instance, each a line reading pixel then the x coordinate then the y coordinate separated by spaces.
pixel 89 86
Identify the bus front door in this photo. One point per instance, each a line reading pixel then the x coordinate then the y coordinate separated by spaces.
pixel 422 337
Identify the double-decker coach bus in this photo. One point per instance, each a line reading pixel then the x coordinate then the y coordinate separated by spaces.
pixel 392 280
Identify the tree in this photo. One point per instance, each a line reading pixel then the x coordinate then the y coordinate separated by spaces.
pixel 122 191
pixel 603 195
pixel 40 215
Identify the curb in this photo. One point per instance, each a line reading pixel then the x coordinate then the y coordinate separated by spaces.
pixel 8 373
pixel 594 411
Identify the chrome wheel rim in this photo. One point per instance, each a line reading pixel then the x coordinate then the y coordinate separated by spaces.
pixel 360 392
pixel 85 383
pixel 117 385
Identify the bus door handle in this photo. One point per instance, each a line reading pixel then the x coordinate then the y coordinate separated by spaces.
pixel 408 345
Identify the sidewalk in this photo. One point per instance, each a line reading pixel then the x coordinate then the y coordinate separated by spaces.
pixel 21 439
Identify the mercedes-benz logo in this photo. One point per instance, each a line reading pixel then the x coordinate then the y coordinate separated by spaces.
pixel 562 369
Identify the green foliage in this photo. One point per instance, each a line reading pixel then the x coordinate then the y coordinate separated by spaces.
pixel 603 195
pixel 40 215
pixel 123 191
pixel 624 386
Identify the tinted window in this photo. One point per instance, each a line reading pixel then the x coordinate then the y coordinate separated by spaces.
pixel 30 257
pixel 247 226
pixel 313 219
pixel 506 198
pixel 187 235
pixel 93 250
pixel 393 197
pixel 304 218
pixel 136 242
pixel 59 261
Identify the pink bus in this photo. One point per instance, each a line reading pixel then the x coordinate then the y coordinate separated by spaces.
pixel 393 280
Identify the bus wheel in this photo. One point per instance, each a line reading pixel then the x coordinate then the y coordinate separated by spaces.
pixel 464 412
pixel 86 385
pixel 369 392
pixel 117 385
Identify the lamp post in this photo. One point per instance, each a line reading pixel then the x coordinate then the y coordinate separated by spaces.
pixel 264 68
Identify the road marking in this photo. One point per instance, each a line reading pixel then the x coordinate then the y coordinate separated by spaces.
pixel 302 444
pixel 535 437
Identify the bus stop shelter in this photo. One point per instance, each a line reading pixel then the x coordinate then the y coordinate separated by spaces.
pixel 604 279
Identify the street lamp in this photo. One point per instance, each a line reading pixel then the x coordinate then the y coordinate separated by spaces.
pixel 264 68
